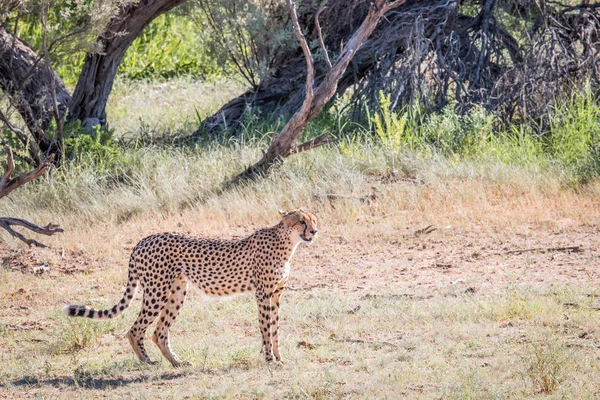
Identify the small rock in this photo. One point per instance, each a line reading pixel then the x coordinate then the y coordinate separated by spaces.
pixel 41 269
pixel 354 310
pixel 306 345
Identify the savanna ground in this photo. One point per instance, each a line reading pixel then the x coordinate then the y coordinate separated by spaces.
pixel 375 308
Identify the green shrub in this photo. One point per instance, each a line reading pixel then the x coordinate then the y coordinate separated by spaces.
pixel 168 47
pixel 571 145
pixel 574 141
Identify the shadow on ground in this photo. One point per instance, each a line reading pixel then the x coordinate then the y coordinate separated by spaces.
pixel 94 383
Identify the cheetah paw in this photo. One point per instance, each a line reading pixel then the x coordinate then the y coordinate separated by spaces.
pixel 181 364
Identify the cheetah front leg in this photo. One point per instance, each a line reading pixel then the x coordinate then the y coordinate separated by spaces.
pixel 275 319
pixel 167 318
pixel 264 301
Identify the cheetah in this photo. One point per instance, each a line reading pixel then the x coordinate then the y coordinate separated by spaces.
pixel 164 263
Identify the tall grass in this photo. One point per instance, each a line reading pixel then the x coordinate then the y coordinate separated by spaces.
pixel 112 181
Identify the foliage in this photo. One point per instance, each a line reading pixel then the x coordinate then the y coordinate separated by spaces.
pixel 574 140
pixel 571 146
pixel 546 361
pixel 170 46
pixel 98 149
pixel 79 334
pixel 71 30
pixel 250 37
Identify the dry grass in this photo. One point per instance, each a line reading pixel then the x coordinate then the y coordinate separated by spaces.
pixel 140 108
pixel 373 312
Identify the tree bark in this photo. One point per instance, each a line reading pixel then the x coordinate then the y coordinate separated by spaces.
pixel 26 78
pixel 95 82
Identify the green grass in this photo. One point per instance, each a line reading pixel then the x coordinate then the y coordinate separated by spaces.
pixel 569 148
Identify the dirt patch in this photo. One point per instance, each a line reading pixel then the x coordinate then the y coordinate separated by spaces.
pixel 37 261
pixel 549 254
pixel 453 261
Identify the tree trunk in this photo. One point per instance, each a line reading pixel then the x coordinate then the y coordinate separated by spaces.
pixel 283 93
pixel 26 79
pixel 95 82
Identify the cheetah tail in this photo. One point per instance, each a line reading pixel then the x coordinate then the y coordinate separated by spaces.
pixel 85 311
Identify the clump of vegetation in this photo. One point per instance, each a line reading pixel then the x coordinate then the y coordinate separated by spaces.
pixel 169 47
pixel 76 335
pixel 546 363
pixel 570 146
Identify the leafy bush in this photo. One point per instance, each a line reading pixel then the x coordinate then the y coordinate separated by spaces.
pixel 169 47
pixel 574 141
pixel 571 145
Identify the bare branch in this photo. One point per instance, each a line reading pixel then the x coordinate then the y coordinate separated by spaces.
pixel 9 184
pixel 310 71
pixel 18 132
pixel 320 34
pixel 318 141
pixel 55 111
pixel 10 166
pixel 49 230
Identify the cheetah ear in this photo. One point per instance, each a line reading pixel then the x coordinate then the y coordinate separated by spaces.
pixel 283 213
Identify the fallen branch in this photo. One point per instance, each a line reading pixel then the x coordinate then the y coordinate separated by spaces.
pixel 9 184
pixel 48 230
pixel 369 198
pixel 361 341
pixel 573 249
pixel 425 231
pixel 319 141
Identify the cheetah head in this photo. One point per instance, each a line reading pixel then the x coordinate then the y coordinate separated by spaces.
pixel 302 224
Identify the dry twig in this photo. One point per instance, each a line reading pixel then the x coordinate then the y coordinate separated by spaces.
pixel 361 341
pixel 425 231
pixel 573 249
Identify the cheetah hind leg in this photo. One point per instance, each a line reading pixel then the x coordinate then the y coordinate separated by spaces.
pixel 147 315
pixel 167 318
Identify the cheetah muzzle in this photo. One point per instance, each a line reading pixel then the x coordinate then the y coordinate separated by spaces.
pixel 163 264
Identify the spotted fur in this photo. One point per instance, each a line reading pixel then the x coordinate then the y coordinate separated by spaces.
pixel 163 264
